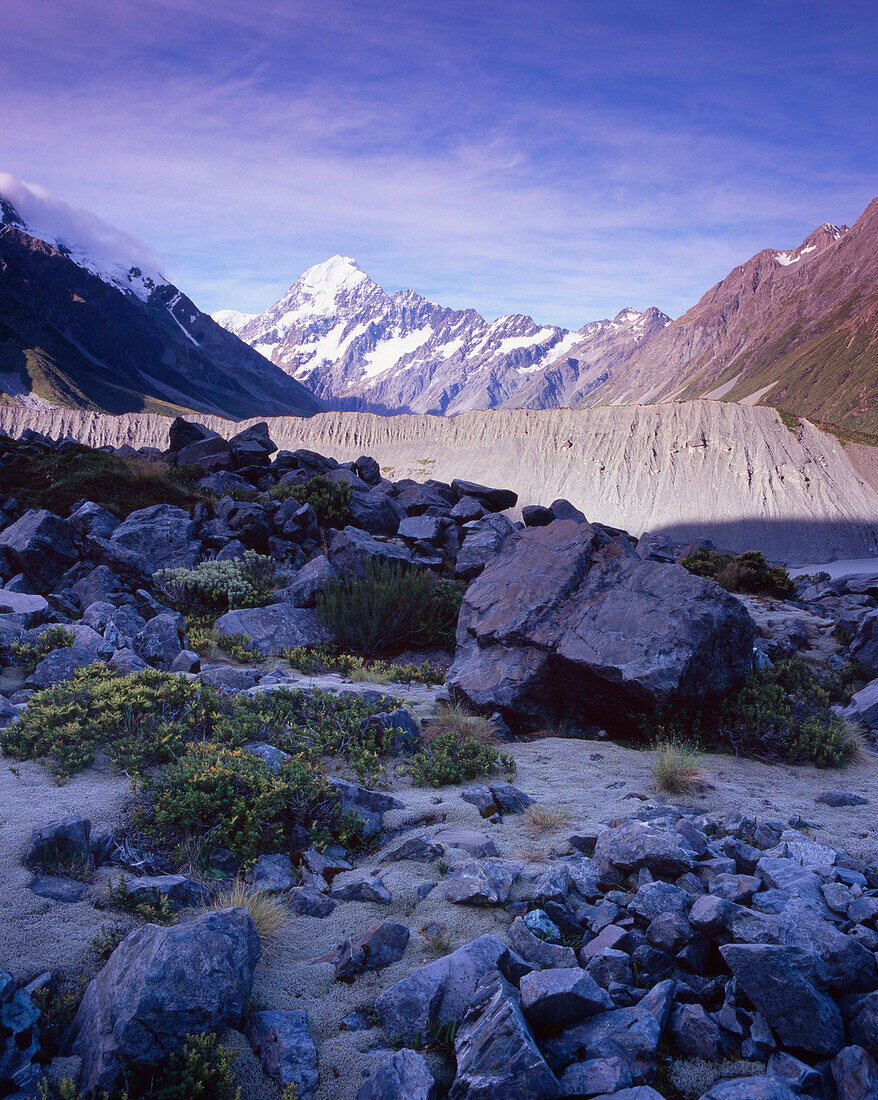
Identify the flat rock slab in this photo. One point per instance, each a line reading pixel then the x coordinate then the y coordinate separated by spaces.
pixel 476 844
pixel 275 628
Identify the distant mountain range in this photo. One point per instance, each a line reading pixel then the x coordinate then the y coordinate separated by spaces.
pixel 86 323
pixel 795 329
pixel 89 321
pixel 357 347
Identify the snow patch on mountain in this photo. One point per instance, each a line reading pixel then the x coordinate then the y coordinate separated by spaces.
pixel 113 255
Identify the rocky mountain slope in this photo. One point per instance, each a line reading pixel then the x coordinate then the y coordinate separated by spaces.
pixel 356 346
pixel 797 330
pixel 86 322
pixel 734 473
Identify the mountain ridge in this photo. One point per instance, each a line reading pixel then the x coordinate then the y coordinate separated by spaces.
pixel 82 324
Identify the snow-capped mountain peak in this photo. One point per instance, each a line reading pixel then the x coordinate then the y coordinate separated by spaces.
pixel 353 344
pixel 114 256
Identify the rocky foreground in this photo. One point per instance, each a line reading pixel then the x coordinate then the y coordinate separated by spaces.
pixel 661 952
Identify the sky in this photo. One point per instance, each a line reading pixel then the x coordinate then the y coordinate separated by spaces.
pixel 561 158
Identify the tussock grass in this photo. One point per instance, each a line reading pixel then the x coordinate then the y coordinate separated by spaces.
pixel 270 913
pixel 676 767
pixel 545 819
pixel 454 719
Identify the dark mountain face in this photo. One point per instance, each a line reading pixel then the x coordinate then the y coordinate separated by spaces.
pixel 70 337
pixel 796 330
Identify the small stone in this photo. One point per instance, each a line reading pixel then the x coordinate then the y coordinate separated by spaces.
pixel 737 888
pixel 552 999
pixel 475 844
pixel 57 888
pixel 365 888
pixel 417 848
pixel 308 902
pixel 485 883
pixel 273 873
pixel 380 946
pixel 841 798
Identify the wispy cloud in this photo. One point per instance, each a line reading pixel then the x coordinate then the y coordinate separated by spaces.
pixel 563 165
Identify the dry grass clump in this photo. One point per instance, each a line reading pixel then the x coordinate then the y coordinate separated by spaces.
pixel 532 850
pixel 437 942
pixel 676 768
pixel 545 819
pixel 455 719
pixel 269 911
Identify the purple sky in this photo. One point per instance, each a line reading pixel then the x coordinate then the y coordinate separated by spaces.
pixel 562 158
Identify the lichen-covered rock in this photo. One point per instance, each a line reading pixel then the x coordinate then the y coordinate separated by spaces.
pixel 402 1076
pixel 163 535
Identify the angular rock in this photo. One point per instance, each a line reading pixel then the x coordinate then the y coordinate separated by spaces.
pixel 368 806
pixel 567 619
pixel 163 535
pixel 23 608
pixel 632 1034
pixel 161 640
pixel 417 848
pixel 275 628
pixel 19 1039
pixel 639 844
pixel 799 1076
pixel 537 951
pixel 92 519
pixel 308 902
pixel 475 844
pixel 60 843
pixel 351 550
pixel 402 1076
pixel 596 1076
pixel 176 890
pixel 273 873
pixel 441 992
pixel 496 1053
pixel 552 999
pixel 750 1088
pixel 57 888
pixel 863 707
pixel 856 1074
pixel 864 647
pixel 397 731
pixel 780 981
pixel 286 1049
pixel 844 798
pixel 484 883
pixel 160 985
pixel 41 545
pixel 312 578
pixel 364 888
pixel 654 899
pixel 492 500
pixel 482 543
pixel 376 948
pixel 695 1034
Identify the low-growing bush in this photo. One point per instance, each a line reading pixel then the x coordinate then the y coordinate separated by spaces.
pixel 781 712
pixel 29 654
pixel 330 499
pixel 248 581
pixel 209 643
pixel 314 661
pixel 236 801
pixel 389 608
pixel 57 480
pixel 746 573
pixel 202 1070
pixel 138 720
pixel 450 757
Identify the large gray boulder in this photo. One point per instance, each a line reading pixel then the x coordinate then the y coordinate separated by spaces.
pixel 163 535
pixel 274 628
pixel 567 620
pixel 160 985
pixel 496 1053
pixel 23 608
pixel 441 992
pixel 782 982
pixel 41 545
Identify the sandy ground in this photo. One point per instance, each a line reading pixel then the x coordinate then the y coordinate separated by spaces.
pixel 588 781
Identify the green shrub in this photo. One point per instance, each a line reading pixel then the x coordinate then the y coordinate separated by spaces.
pixel 450 758
pixel 306 722
pixel 119 896
pixel 316 660
pixel 389 608
pixel 747 573
pixel 202 1070
pixel 234 800
pixel 330 499
pixel 137 720
pixel 783 712
pixel 57 480
pixel 29 654
pixel 249 581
